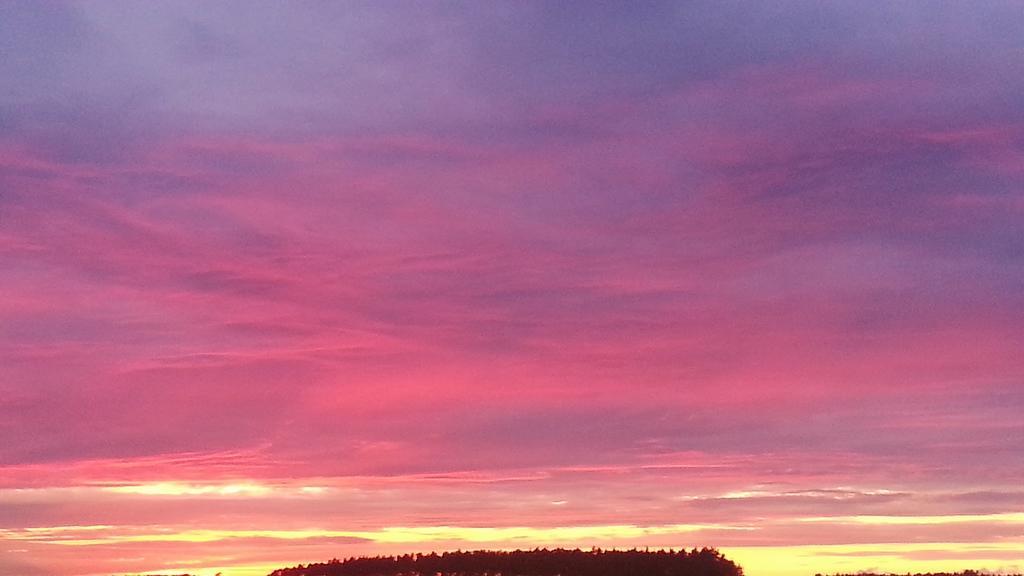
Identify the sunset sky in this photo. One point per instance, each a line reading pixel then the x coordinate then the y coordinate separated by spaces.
pixel 282 282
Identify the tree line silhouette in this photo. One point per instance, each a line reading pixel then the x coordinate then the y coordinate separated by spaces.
pixel 538 562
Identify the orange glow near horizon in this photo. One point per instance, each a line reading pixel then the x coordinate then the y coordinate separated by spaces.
pixel 327 538
pixel 757 560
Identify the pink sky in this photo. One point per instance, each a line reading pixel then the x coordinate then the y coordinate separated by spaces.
pixel 287 282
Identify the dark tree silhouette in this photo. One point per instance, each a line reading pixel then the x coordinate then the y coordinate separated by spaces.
pixel 538 562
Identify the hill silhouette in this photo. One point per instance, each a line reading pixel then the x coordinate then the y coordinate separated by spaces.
pixel 538 562
pixel 557 562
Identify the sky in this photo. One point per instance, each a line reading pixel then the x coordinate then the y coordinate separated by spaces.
pixel 282 282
